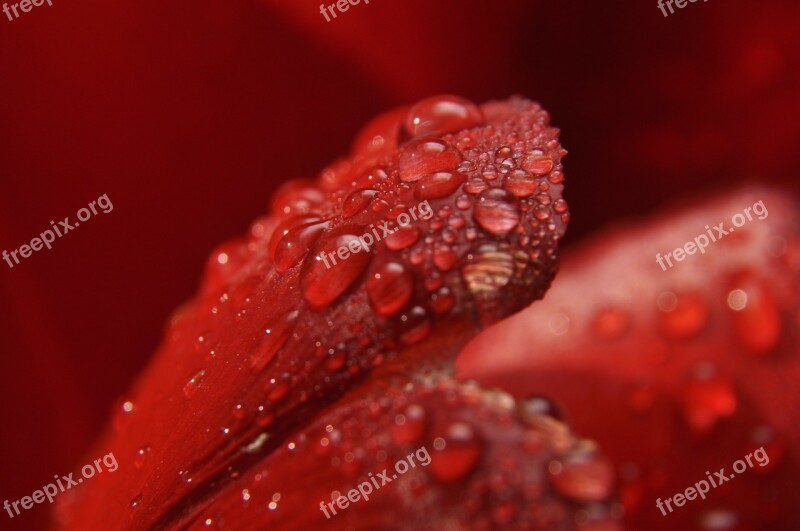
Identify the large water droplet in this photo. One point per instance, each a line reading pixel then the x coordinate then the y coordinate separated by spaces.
pixel 425 156
pixel 294 246
pixel 438 185
pixel 440 115
pixel 337 261
pixel 496 212
pixel 537 164
pixel 283 229
pixel 404 237
pixel 520 184
pixel 456 453
pixel 272 340
pixel 389 287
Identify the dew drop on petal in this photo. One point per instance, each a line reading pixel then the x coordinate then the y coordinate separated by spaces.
pixel 295 244
pixel 274 337
pixel 456 454
pixel 322 284
pixel 409 426
pixel 496 212
pixel 404 237
pixel 425 156
pixel 389 287
pixel 440 115
pixel 438 185
pixel 192 385
pixel 140 458
pixel 583 476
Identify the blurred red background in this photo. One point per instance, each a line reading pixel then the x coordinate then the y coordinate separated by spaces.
pixel 188 115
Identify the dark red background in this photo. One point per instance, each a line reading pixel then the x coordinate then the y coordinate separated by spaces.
pixel 188 115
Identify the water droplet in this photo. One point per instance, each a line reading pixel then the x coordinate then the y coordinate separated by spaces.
pixel 456 453
pixel 531 407
pixel 537 164
pixel 438 185
pixel 415 325
pixel 464 202
pixel 409 427
pixel 264 416
pixel 277 390
pixel 442 301
pixel 191 386
pixel 339 258
pixel 239 411
pixel 583 476
pixel 272 340
pixel 495 212
pixel 380 135
pixel 520 184
pixel 754 314
pixel 185 476
pixel 136 502
pixel 336 359
pixel 389 287
pixel 404 237
pixel 140 458
pixel 444 257
pixel 488 268
pixel 707 398
pixel 610 323
pixel 425 156
pixel 357 202
pixel 682 316
pixel 440 115
pixel 283 229
pixel 294 246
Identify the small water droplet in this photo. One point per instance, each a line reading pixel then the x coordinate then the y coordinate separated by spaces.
pixel 136 502
pixel 389 287
pixel 357 202
pixel 336 359
pixel 191 386
pixel 533 406
pixel 273 339
pixel 414 325
pixel 140 458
